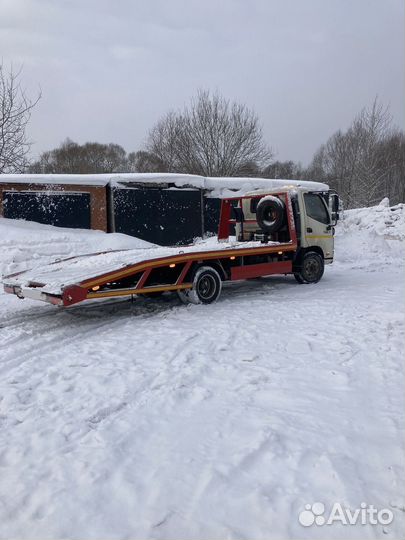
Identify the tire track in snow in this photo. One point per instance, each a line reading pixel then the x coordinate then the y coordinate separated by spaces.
pixel 219 404
pixel 63 326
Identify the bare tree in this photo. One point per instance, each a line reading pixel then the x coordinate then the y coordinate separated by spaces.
pixel 166 143
pixel 371 128
pixel 15 112
pixel 144 162
pixel 211 137
pixel 393 154
pixel 364 164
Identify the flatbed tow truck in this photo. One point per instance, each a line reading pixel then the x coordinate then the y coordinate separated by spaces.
pixel 286 230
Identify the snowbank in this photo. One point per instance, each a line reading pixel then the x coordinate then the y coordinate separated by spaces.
pixel 370 237
pixel 382 220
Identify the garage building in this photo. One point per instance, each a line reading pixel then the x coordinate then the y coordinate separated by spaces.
pixel 76 201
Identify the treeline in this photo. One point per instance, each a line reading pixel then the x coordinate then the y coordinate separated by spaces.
pixel 215 137
pixel 73 158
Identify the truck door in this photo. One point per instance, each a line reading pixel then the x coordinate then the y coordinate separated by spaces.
pixel 318 229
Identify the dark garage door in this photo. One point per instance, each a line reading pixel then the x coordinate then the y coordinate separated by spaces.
pixel 212 210
pixel 162 216
pixel 60 209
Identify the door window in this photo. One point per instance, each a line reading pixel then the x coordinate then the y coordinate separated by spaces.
pixel 316 208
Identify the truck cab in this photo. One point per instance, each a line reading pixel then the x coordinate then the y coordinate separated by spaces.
pixel 315 214
pixel 318 214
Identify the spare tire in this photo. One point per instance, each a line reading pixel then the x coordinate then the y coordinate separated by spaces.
pixel 270 214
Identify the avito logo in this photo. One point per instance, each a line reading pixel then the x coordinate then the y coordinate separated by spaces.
pixel 366 514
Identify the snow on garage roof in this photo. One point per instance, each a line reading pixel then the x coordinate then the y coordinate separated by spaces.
pixel 179 180
pixel 56 179
pixel 218 186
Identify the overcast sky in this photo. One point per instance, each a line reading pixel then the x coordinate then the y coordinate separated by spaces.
pixel 109 70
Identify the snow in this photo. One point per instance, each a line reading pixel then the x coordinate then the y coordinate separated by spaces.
pixel 372 237
pixel 221 187
pixel 56 179
pixel 386 221
pixel 157 420
pixel 217 186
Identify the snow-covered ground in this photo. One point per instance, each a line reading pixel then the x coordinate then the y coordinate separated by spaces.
pixel 157 420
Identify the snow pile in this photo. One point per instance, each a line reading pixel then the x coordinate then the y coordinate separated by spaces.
pixel 26 244
pixel 383 220
pixel 370 237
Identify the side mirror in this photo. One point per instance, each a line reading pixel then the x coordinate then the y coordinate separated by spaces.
pixel 334 208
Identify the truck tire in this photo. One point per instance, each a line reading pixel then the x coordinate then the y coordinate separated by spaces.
pixel 298 278
pixel 270 214
pixel 311 268
pixel 207 285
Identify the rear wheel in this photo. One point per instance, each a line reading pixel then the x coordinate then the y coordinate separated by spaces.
pixel 207 285
pixel 311 269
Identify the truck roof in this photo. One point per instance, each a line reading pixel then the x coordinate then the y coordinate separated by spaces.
pixel 291 187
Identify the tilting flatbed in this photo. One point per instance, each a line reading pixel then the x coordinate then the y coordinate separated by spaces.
pixel 67 282
pixel 197 270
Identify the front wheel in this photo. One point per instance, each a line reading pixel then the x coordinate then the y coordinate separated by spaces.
pixel 207 285
pixel 311 269
pixel 298 278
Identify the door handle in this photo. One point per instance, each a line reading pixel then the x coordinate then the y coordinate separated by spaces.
pixel 309 229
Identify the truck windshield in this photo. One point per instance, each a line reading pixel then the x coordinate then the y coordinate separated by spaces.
pixel 316 208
